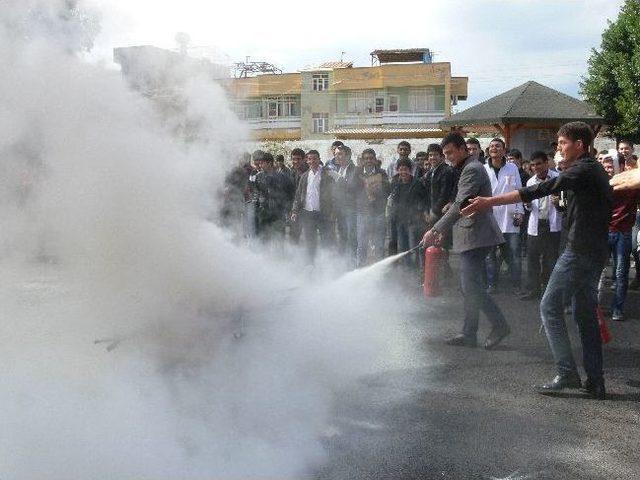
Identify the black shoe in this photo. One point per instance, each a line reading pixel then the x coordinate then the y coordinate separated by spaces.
pixel 491 289
pixel 560 382
pixel 462 340
pixel 595 389
pixel 495 337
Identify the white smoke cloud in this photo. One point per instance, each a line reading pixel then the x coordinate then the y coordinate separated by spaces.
pixel 105 236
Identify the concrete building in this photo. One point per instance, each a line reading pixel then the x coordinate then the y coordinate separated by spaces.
pixel 402 95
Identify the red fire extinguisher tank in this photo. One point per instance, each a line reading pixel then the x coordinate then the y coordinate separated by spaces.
pixel 433 257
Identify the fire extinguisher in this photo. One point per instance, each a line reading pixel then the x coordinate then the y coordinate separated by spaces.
pixel 605 334
pixel 432 261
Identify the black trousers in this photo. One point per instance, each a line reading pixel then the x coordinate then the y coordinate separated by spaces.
pixel 314 224
pixel 542 253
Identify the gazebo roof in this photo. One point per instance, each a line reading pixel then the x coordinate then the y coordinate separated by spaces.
pixel 530 102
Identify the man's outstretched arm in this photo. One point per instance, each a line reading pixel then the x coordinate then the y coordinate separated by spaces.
pixel 480 204
pixel 626 180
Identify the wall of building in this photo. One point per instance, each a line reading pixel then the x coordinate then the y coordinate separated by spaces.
pixel 316 102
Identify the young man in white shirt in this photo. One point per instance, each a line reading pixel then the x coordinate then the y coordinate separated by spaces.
pixel 505 178
pixel 543 232
pixel 313 204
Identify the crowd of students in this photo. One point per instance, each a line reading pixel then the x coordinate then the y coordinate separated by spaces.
pixel 556 210
pixel 364 212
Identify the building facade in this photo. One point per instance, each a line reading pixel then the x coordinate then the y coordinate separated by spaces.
pixel 393 99
pixel 403 94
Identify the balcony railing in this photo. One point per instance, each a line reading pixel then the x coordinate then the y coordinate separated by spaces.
pixel 274 122
pixel 387 118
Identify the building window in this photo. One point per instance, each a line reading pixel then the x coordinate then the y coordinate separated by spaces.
pixel 249 110
pixel 393 103
pixel 422 100
pixel 320 82
pixel 272 110
pixel 285 106
pixel 290 107
pixel 361 102
pixel 379 105
pixel 320 122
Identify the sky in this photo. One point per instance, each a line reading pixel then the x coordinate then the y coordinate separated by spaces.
pixel 498 44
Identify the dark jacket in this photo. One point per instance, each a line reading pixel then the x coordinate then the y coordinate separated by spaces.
pixel 439 183
pixel 274 192
pixel 589 200
pixel 345 190
pixel 373 192
pixel 408 201
pixel 326 193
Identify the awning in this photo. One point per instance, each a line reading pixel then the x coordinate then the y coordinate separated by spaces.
pixel 386 133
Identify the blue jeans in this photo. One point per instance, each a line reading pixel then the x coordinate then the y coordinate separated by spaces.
pixel 575 276
pixel 476 298
pixel 634 245
pixel 348 236
pixel 371 229
pixel 510 251
pixel 409 236
pixel 620 248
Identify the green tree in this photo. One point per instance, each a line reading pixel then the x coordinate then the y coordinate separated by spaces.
pixel 612 84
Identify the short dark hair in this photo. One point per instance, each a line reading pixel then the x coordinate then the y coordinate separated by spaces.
pixel 498 139
pixel 257 155
pixel 297 152
pixel 473 141
pixel 266 157
pixel 421 154
pixel 434 147
pixel 514 152
pixel 627 141
pixel 369 151
pixel 280 158
pixel 337 143
pixel 313 152
pixel 575 131
pixel 404 162
pixel 603 152
pixel 404 143
pixel 453 138
pixel 345 149
pixel 539 155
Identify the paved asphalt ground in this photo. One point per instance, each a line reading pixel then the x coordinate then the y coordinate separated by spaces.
pixel 460 413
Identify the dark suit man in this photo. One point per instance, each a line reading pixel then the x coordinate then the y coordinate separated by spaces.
pixel 345 190
pixel 473 238
pixel 439 182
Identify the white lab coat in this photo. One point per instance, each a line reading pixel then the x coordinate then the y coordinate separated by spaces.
pixel 555 217
pixel 508 180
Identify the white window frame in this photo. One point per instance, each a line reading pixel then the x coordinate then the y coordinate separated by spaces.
pixel 320 82
pixel 320 122
pixel 422 100
pixel 282 106
pixel 273 103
